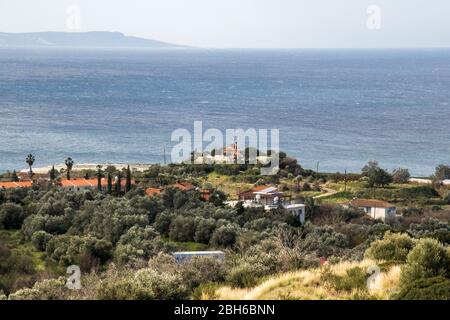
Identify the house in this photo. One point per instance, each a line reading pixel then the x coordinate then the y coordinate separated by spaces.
pixel 269 198
pixel 153 191
pixel 264 195
pixel 89 184
pixel 15 185
pixel 376 209
pixel 187 255
pixel 80 184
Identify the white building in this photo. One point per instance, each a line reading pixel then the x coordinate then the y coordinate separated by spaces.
pixel 268 197
pixel 187 255
pixel 376 209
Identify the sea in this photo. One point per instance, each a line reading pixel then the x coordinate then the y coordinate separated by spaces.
pixel 338 107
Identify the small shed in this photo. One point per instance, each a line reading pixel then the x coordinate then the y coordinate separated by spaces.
pixel 187 255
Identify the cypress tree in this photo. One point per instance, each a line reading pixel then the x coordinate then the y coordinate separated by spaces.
pixel 119 183
pixel 99 180
pixel 109 187
pixel 14 176
pixel 53 173
pixel 128 181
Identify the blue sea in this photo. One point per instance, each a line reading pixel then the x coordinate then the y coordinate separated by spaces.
pixel 339 107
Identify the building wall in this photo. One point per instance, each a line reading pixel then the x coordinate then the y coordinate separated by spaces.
pixel 381 213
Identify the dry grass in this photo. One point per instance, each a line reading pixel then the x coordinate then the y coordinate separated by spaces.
pixel 307 285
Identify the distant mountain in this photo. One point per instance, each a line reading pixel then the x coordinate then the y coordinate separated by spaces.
pixel 94 39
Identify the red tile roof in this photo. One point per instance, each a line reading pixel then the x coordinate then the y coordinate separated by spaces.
pixel 183 186
pixel 11 185
pixel 250 193
pixel 153 191
pixel 364 203
pixel 86 183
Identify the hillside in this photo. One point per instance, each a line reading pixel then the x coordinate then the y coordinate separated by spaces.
pixel 95 39
pixel 314 284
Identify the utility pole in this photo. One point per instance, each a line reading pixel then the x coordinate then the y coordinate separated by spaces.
pixel 317 171
pixel 345 180
pixel 164 155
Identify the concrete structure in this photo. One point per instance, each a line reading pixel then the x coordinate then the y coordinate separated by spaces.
pixel 376 209
pixel 297 210
pixel 187 255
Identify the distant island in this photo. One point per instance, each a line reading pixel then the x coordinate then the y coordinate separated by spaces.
pixel 95 39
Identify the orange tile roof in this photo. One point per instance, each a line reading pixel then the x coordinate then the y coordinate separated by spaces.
pixel 19 184
pixel 83 183
pixel 371 203
pixel 153 191
pixel 183 186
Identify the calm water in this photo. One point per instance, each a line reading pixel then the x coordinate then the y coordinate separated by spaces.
pixel 341 108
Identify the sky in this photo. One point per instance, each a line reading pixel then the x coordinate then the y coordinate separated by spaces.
pixel 244 23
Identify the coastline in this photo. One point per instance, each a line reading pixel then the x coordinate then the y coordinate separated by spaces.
pixel 139 167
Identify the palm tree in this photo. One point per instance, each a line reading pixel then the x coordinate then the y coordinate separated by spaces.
pixel 30 161
pixel 310 207
pixel 69 164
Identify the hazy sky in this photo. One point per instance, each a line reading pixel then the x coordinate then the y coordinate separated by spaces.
pixel 246 23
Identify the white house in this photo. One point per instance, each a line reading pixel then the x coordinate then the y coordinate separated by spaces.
pixel 269 198
pixel 376 209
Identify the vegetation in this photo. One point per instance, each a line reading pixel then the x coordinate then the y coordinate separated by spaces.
pixel 122 240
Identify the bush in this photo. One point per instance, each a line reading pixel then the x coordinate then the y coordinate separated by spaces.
pixel 137 245
pixel 428 259
pixel 40 239
pixel 355 278
pixel 85 251
pixel 247 273
pixel 145 284
pixel 431 228
pixel 401 175
pixel 204 230
pixel 325 242
pixel 49 289
pixel 11 216
pixel 202 270
pixel 436 288
pixel 182 229
pixel 393 247
pixel 224 236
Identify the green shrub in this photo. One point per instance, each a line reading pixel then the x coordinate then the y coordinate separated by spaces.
pixel 247 273
pixel 40 239
pixel 393 247
pixel 11 216
pixel 49 289
pixel 145 284
pixel 224 236
pixel 355 278
pixel 436 288
pixel 202 270
pixel 428 259
pixel 431 228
